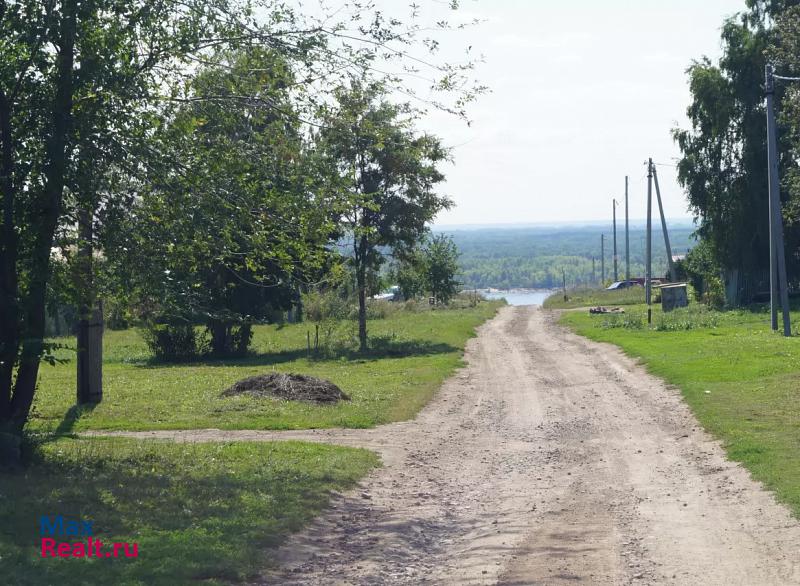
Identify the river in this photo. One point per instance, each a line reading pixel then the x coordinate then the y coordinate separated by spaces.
pixel 521 296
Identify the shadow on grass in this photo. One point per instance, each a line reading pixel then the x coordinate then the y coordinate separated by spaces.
pixel 380 347
pixel 72 416
pixel 195 511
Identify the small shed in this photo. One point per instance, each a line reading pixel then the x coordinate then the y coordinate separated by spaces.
pixel 673 295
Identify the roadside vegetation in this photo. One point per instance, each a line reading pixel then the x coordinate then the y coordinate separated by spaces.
pixel 586 297
pixel 412 350
pixel 198 512
pixel 740 379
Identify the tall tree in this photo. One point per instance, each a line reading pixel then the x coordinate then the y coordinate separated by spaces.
pixel 225 231
pixel 387 174
pixel 785 52
pixel 723 165
pixel 36 87
pixel 440 263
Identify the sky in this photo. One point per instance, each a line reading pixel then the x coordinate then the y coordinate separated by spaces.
pixel 582 93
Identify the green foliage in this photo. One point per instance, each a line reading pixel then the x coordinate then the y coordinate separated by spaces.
pixel 383 173
pixel 440 258
pixel 430 267
pixel 203 512
pixel 173 342
pixel 326 304
pixel 533 258
pixel 704 275
pixel 724 164
pixel 253 229
pixel 409 274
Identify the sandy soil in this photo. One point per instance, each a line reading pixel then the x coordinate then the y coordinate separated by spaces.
pixel 549 459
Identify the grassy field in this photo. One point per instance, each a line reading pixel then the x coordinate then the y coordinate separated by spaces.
pixel 594 297
pixel 198 512
pixel 741 380
pixel 414 352
pixel 209 512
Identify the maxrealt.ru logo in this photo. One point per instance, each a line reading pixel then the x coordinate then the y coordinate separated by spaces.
pixel 70 529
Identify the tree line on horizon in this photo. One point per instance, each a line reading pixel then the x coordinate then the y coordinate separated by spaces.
pixel 534 258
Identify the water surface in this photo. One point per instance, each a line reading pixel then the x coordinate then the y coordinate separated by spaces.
pixel 524 297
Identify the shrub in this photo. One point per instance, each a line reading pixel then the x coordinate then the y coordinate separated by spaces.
pixel 173 342
pixel 319 306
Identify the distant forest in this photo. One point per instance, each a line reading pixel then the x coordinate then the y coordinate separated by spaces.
pixel 506 258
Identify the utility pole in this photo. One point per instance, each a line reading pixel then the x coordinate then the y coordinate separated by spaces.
pixel 648 268
pixel 627 236
pixel 594 271
pixel 564 283
pixel 614 213
pixel 672 275
pixel 777 258
pixel 602 260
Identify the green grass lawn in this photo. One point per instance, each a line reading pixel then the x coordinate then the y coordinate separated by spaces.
pixel 741 380
pixel 594 297
pixel 198 512
pixel 415 352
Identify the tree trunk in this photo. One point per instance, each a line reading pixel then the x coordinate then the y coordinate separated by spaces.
pixel 220 337
pixel 243 337
pixel 298 308
pixel 362 308
pixel 90 327
pixel 90 357
pixel 47 209
pixel 9 311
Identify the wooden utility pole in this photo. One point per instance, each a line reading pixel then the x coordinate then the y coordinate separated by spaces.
pixel 627 236
pixel 614 214
pixel 672 275
pixel 648 268
pixel 777 258
pixel 564 283
pixel 602 260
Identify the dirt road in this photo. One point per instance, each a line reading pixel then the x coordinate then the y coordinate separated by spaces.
pixel 548 460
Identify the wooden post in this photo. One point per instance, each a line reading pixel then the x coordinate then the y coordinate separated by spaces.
pixel 672 274
pixel 602 260
pixel 90 357
pixel 777 272
pixel 648 291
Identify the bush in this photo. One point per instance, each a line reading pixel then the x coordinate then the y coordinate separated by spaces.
pixel 173 342
pixel 336 338
pixel 378 309
pixel 319 306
